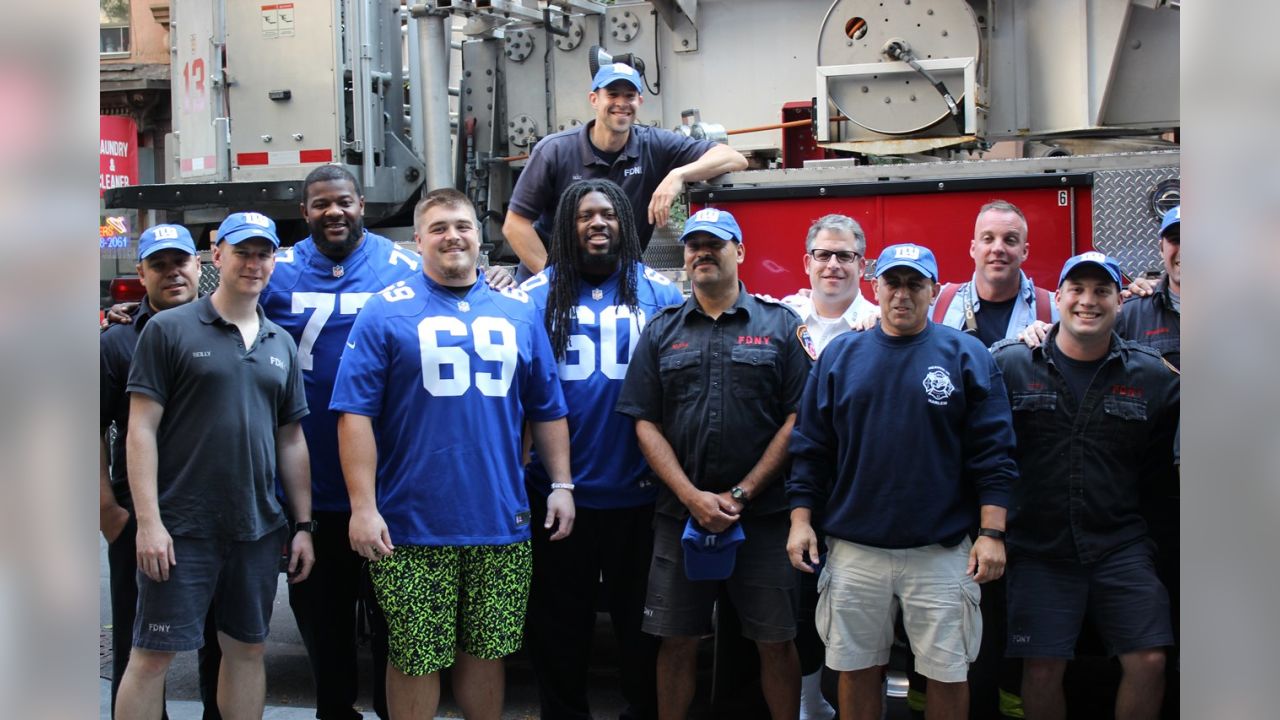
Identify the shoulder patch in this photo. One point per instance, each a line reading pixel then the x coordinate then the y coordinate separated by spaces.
pixel 515 293
pixel 656 277
pixel 397 292
pixel 535 281
pixel 806 341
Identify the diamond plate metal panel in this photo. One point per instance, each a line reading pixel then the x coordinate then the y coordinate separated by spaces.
pixel 208 278
pixel 1124 225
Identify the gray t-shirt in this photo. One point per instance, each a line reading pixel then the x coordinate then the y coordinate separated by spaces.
pixel 222 407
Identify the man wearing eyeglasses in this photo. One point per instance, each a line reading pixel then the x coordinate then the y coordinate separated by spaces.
pixel 834 258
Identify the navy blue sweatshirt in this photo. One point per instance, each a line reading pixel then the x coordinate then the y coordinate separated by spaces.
pixel 899 440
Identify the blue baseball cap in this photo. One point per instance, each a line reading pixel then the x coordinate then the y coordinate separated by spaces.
pixel 1171 218
pixel 916 257
pixel 708 555
pixel 611 73
pixel 165 237
pixel 241 226
pixel 1093 258
pixel 711 220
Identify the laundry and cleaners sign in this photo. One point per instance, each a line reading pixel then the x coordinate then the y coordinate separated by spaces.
pixel 117 152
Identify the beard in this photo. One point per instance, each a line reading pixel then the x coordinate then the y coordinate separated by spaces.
pixel 598 265
pixel 341 249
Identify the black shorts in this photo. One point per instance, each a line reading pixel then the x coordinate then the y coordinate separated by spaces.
pixel 241 576
pixel 1124 598
pixel 762 588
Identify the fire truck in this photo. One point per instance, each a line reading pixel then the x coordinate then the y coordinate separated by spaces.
pixel 904 114
pixel 907 115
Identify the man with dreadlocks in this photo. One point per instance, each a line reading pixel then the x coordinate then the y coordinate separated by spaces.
pixel 595 296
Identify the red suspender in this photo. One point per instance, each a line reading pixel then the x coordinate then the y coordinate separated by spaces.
pixel 1044 306
pixel 944 301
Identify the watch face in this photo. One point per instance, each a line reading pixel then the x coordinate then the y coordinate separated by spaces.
pixel 738 494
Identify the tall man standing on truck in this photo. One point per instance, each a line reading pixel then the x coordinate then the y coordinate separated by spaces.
pixel 713 387
pixel 652 165
pixel 215 399
pixel 439 375
pixel 169 268
pixel 897 518
pixel 596 298
pixel 1096 418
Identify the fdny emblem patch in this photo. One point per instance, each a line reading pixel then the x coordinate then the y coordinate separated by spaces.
pixel 806 342
pixel 937 385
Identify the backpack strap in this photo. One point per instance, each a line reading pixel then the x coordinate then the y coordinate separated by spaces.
pixel 1044 306
pixel 945 296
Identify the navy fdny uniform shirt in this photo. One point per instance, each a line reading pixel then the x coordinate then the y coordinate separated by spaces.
pixel 720 389
pixel 563 158
pixel 223 405
pixel 1086 464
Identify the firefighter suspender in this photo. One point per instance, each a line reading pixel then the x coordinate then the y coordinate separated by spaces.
pixel 1043 302
pixel 947 294
pixel 1044 306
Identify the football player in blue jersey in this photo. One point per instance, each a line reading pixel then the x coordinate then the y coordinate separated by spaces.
pixel 319 285
pixel 437 379
pixel 595 296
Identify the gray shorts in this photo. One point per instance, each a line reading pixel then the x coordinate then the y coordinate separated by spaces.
pixel 241 576
pixel 861 588
pixel 762 588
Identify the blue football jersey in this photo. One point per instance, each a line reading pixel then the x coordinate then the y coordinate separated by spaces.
pixel 608 468
pixel 449 382
pixel 316 300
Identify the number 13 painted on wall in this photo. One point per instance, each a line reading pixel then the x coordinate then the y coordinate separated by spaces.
pixel 195 95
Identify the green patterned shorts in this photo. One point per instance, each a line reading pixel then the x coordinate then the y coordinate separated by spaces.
pixel 440 598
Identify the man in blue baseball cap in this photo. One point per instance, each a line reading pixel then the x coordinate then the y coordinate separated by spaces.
pixel 713 385
pixel 227 385
pixel 1156 319
pixel 169 269
pixel 651 165
pixel 897 516
pixel 1096 418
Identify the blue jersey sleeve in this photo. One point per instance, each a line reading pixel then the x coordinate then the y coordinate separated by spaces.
pixel 362 371
pixel 542 397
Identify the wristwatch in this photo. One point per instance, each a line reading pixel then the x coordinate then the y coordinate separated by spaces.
pixel 991 533
pixel 737 493
pixel 308 526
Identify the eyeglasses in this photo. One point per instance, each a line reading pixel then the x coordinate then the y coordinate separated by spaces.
pixel 844 257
